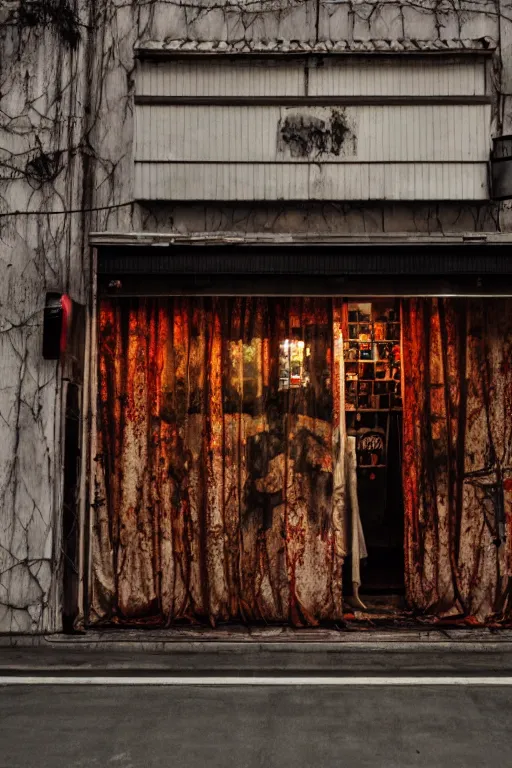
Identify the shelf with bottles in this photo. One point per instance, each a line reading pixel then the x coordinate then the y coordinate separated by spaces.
pixel 377 320
pixel 372 357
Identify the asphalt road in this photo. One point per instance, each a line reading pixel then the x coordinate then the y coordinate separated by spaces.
pixel 405 726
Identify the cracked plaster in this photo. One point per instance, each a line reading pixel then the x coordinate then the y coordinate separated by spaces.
pixel 66 143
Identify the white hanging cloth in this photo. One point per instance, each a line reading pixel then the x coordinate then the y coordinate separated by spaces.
pixel 359 550
pixel 345 478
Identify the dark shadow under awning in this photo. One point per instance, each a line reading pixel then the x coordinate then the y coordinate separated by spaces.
pixel 431 268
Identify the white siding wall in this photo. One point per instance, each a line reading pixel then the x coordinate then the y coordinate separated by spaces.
pixel 250 134
pixel 336 77
pixel 237 152
pixel 398 78
pixel 315 181
pixel 206 78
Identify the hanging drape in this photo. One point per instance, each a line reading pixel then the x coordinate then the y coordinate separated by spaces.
pixel 457 462
pixel 214 494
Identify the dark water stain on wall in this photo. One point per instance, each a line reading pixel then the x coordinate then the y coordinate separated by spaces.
pixel 343 140
pixel 312 133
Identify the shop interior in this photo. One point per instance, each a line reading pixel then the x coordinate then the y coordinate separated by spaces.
pixel 373 409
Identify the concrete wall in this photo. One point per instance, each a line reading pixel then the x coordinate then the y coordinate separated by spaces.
pixel 66 85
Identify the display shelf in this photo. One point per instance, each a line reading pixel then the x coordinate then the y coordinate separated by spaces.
pixel 373 377
pixel 372 359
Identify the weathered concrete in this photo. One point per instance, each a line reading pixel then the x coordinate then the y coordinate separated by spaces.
pixel 362 727
pixel 358 654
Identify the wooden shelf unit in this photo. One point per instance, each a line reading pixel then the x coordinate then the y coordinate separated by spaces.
pixel 371 399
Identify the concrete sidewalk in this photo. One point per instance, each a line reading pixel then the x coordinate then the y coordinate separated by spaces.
pixel 249 636
pixel 273 651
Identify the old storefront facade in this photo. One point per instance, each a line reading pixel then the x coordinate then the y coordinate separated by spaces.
pixel 287 383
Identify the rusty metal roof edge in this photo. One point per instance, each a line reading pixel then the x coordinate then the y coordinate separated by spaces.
pixel 263 238
pixel 281 46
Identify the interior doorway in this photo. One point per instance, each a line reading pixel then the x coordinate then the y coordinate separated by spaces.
pixel 373 411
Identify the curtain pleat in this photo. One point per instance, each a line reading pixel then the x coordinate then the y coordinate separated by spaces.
pixel 457 464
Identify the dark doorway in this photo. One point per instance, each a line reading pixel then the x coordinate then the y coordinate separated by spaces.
pixel 373 406
pixel 382 515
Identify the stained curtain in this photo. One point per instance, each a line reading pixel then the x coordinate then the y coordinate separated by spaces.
pixel 219 490
pixel 457 460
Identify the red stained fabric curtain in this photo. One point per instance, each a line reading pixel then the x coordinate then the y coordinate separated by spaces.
pixel 219 485
pixel 457 463
pixel 214 475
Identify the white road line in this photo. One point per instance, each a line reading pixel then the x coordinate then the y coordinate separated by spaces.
pixel 249 681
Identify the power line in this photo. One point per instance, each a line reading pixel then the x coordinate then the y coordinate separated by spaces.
pixel 64 213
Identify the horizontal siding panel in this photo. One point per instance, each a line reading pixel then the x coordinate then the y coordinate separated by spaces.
pixel 221 181
pixel 364 181
pixel 196 78
pixel 395 78
pixel 335 77
pixel 418 133
pixel 400 181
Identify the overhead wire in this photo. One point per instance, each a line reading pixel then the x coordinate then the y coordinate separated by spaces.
pixel 5 214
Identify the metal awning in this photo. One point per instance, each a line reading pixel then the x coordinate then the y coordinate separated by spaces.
pixel 466 265
pixel 236 259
